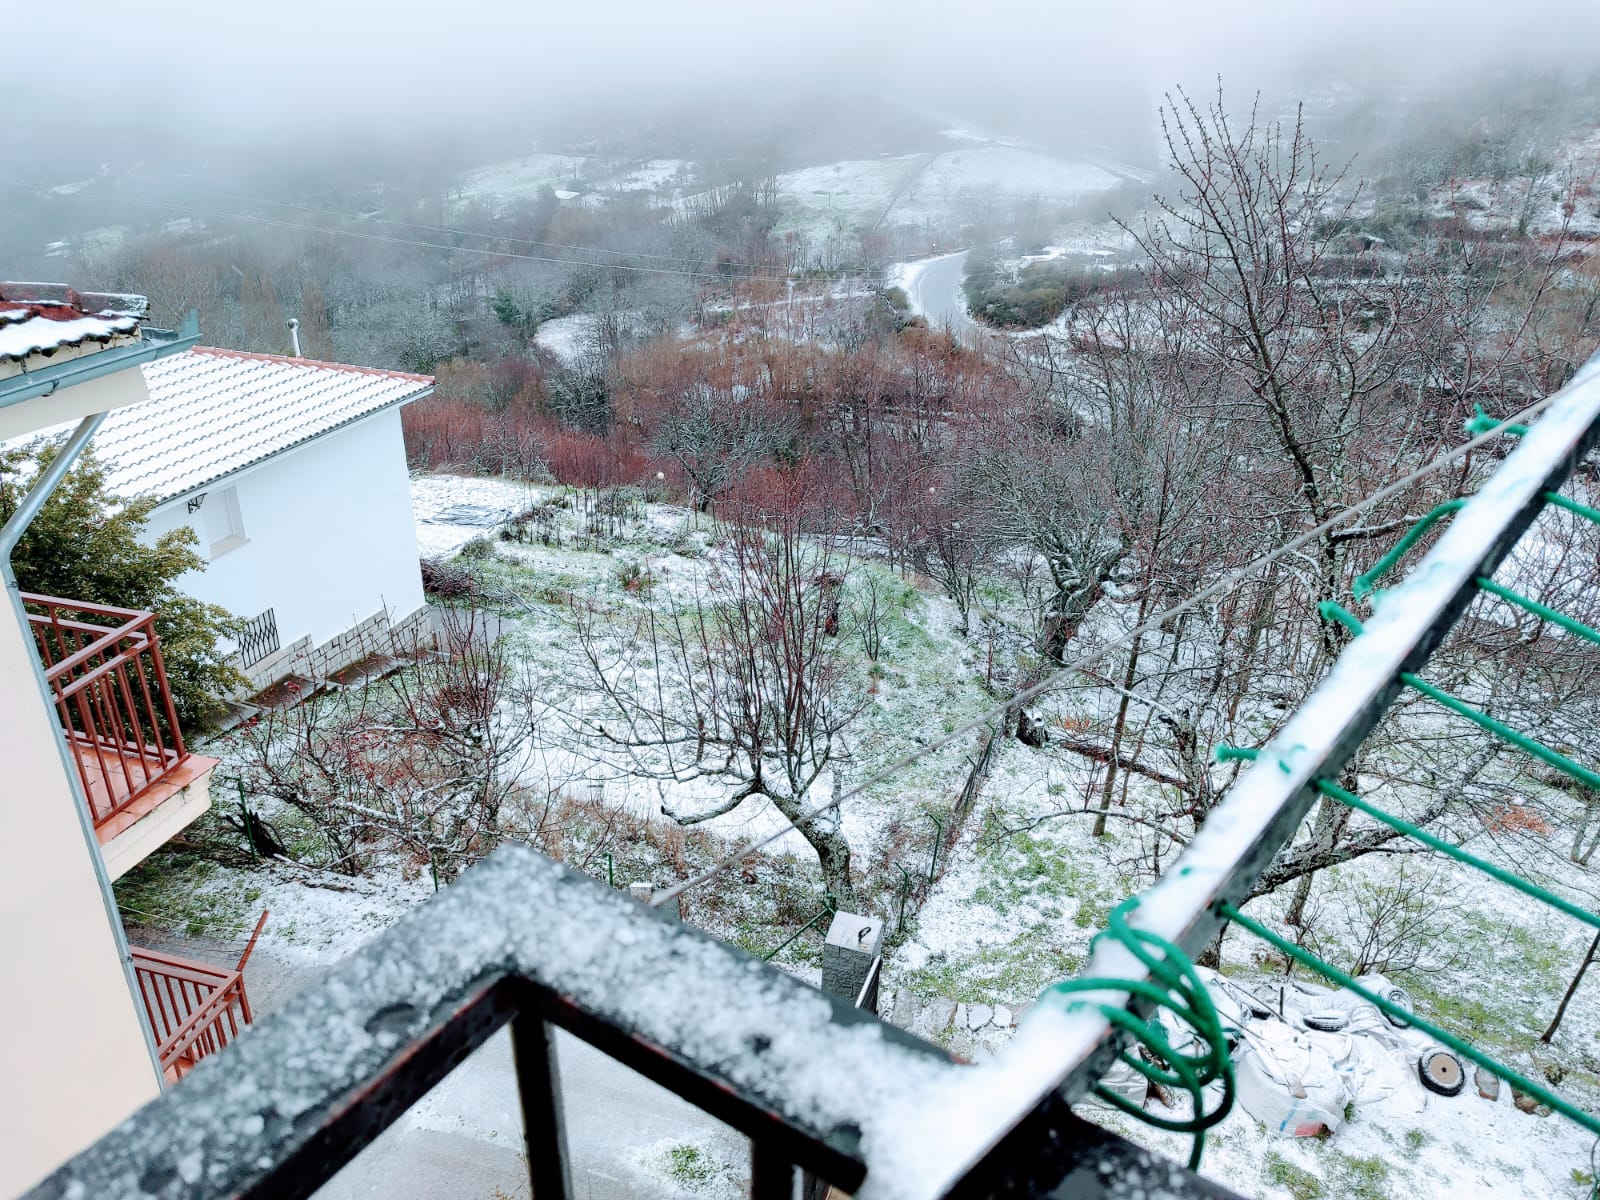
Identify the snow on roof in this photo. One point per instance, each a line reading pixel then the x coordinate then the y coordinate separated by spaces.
pixel 213 412
pixel 45 318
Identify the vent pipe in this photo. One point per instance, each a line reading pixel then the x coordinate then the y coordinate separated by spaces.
pixel 294 336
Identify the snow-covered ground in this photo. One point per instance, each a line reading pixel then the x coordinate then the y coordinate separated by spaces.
pixel 1017 900
pixel 568 338
pixel 572 177
pixel 451 510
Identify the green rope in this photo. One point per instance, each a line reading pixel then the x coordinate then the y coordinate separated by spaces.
pixel 1538 610
pixel 1366 579
pixel 1481 423
pixel 1521 1082
pixel 1416 832
pixel 1175 985
pixel 1483 720
pixel 1501 730
pixel 1572 506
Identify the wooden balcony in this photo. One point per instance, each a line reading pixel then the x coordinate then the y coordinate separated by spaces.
pixel 103 668
pixel 194 1009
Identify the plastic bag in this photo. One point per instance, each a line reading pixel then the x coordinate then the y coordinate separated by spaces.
pixel 1289 1081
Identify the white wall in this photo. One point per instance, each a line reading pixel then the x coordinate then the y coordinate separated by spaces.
pixel 74 1060
pixel 330 536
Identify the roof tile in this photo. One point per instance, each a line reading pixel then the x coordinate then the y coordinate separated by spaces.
pixel 213 412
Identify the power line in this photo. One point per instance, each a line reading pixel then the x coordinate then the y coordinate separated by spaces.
pixel 1226 583
pixel 377 237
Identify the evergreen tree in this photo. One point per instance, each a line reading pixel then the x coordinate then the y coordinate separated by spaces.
pixel 85 544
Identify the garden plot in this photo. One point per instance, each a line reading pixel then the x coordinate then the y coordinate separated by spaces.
pixel 1015 912
pixel 451 510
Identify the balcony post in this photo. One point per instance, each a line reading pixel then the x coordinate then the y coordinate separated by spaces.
pixel 533 1050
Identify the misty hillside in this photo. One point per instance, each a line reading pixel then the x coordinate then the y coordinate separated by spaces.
pixel 908 462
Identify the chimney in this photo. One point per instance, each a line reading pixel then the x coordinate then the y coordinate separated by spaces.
pixel 294 336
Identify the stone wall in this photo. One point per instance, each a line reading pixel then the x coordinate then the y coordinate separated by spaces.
pixel 376 634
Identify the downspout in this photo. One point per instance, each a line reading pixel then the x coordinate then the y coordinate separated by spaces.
pixel 42 489
pixel 10 534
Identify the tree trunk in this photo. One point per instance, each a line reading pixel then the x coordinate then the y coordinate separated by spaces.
pixel 1296 912
pixel 1561 1010
pixel 1128 677
pixel 1211 956
pixel 833 856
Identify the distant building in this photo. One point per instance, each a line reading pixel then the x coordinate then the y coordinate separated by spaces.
pixel 293 475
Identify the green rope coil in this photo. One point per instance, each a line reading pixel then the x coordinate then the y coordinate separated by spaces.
pixel 1175 985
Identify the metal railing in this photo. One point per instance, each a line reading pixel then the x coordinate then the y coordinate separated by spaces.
pixel 258 638
pixel 1202 890
pixel 194 1009
pixel 815 1084
pixel 109 686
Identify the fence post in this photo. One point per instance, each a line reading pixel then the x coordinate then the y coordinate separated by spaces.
pixel 849 961
pixel 853 943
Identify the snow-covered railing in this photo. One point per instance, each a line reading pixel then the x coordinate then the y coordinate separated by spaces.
pixel 815 1084
pixel 1203 889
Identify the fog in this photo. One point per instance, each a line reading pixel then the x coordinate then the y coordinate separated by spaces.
pixel 195 82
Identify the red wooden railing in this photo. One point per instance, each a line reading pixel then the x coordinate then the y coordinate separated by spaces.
pixel 104 670
pixel 194 1009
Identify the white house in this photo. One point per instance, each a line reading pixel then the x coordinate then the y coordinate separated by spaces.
pixel 293 474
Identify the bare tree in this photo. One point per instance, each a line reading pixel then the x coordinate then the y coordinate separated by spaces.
pixel 744 686
pixel 716 433
pixel 422 759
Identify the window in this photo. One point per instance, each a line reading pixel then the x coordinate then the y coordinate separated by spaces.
pixel 223 529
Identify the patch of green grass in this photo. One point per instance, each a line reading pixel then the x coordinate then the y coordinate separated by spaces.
pixel 691 1168
pixel 1359 1178
pixel 1416 1139
pixel 1301 1184
pixel 1019 968
pixel 185 893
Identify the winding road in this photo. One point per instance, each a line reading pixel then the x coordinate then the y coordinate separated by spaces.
pixel 933 286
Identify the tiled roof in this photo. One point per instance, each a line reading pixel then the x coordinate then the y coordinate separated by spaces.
pixel 42 319
pixel 214 412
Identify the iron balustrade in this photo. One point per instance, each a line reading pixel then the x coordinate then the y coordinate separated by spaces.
pixel 194 1009
pixel 109 686
pixel 259 638
pixel 815 1084
pixel 1242 836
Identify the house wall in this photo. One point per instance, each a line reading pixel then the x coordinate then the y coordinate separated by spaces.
pixel 73 1051
pixel 330 545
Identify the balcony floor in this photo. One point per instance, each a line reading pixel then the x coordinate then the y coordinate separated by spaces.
pixel 108 777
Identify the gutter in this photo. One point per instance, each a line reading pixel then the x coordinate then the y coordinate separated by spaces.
pixel 154 344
